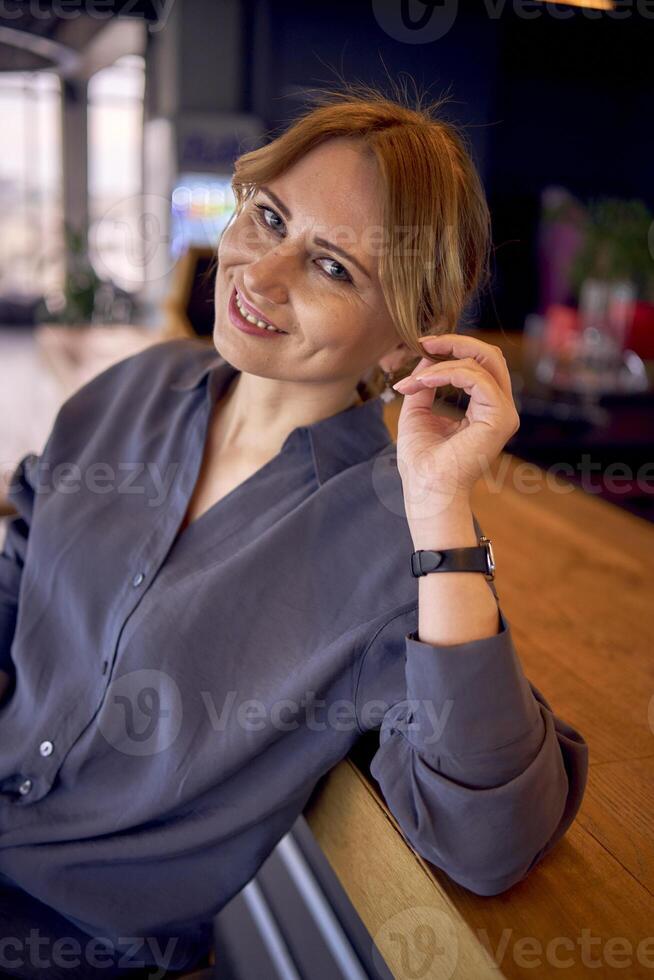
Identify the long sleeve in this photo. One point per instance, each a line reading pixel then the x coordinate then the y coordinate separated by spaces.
pixel 480 774
pixel 12 559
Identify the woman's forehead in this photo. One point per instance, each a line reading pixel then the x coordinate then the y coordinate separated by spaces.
pixel 335 185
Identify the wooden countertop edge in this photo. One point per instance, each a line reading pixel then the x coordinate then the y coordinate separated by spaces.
pixel 409 896
pixel 348 817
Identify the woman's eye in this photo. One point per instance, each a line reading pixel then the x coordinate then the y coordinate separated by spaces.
pixel 263 209
pixel 338 265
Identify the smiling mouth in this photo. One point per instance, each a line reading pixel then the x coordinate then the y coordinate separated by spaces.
pixel 251 318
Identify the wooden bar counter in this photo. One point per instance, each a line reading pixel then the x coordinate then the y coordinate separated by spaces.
pixel 576 581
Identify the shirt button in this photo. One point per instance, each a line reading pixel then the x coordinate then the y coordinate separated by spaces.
pixel 138 578
pixel 46 748
pixel 25 787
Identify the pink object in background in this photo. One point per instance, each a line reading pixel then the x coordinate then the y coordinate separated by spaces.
pixel 558 242
pixel 640 336
pixel 562 330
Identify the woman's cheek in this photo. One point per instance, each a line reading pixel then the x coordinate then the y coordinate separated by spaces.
pixel 239 242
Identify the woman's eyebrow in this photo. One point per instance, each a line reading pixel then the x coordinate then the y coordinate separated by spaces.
pixel 319 241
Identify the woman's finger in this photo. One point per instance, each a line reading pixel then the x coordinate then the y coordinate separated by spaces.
pixel 464 373
pixel 459 345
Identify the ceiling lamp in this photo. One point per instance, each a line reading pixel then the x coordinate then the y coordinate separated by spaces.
pixel 592 4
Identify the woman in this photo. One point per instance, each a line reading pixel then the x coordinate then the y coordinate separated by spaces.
pixel 207 595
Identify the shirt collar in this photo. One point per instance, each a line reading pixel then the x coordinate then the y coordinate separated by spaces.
pixel 342 440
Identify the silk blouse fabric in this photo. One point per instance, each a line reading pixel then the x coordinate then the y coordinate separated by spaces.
pixel 177 696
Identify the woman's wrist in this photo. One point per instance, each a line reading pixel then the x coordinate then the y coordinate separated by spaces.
pixel 450 527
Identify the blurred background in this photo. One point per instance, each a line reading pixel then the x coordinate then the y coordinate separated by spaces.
pixel 120 123
pixel 121 120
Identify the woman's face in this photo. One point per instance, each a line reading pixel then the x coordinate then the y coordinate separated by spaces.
pixel 330 305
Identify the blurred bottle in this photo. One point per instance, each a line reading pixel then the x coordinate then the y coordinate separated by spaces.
pixel 606 310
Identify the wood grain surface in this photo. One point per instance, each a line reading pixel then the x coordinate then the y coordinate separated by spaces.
pixel 575 578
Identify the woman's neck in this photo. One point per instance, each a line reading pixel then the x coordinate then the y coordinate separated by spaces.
pixel 254 419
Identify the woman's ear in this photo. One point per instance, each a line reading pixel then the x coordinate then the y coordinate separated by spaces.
pixel 396 357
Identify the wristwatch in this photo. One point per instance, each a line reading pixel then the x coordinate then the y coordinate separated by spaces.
pixel 478 559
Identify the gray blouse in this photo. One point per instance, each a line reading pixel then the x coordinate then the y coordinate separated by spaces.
pixel 178 696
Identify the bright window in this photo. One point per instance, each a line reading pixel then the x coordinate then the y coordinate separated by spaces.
pixel 31 206
pixel 115 146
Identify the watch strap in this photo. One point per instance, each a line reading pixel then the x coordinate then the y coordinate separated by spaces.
pixel 472 559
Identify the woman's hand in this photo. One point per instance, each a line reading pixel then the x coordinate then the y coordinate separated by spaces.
pixel 440 459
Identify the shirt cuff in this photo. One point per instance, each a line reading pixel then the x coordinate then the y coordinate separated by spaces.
pixel 473 712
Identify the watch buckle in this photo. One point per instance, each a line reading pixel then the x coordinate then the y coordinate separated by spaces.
pixel 490 558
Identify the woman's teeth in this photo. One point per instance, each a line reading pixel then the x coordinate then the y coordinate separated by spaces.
pixel 253 319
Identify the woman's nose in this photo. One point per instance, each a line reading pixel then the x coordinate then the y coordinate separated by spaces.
pixel 269 277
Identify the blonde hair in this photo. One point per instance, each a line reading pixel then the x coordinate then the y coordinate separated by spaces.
pixel 432 193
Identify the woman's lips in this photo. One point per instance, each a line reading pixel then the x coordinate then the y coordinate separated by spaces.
pixel 242 324
pixel 253 311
